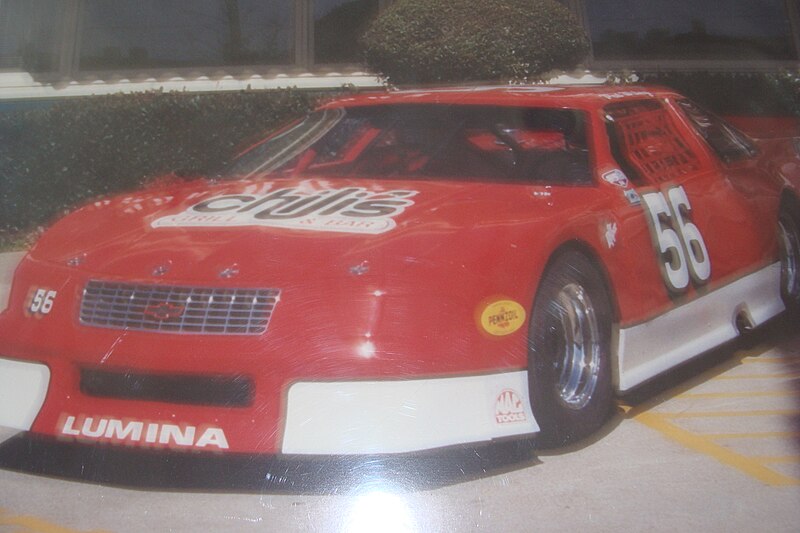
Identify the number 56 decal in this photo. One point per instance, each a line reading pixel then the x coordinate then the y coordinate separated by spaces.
pixel 683 253
pixel 42 301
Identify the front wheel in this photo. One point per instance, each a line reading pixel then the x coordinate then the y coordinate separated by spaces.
pixel 569 352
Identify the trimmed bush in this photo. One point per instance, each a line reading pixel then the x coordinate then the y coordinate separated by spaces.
pixel 54 158
pixel 430 41
pixel 336 35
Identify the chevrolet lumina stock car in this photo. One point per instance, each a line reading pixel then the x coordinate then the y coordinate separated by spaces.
pixel 403 271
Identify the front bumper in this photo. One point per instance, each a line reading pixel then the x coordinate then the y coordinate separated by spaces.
pixel 318 418
pixel 23 387
pixel 364 417
pixel 310 385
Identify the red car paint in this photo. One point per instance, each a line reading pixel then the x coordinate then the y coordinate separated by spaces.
pixel 415 291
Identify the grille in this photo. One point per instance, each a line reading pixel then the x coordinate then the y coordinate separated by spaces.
pixel 175 309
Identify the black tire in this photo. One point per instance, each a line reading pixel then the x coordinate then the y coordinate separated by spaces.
pixel 569 351
pixel 789 244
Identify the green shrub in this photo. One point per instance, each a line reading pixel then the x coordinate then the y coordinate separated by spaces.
pixel 54 158
pixel 336 34
pixel 428 41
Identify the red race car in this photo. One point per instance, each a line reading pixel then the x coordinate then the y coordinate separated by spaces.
pixel 405 271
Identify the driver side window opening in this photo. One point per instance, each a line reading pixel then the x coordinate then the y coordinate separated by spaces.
pixel 646 144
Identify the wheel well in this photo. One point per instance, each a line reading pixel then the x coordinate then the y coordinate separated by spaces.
pixel 587 251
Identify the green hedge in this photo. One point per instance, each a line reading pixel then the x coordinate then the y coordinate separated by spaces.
pixel 766 94
pixel 54 158
pixel 430 41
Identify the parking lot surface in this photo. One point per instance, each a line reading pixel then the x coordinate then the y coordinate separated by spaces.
pixel 715 446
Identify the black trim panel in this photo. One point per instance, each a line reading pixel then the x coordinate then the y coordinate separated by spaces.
pixel 226 391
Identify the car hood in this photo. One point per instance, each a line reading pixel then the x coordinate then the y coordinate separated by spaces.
pixel 306 226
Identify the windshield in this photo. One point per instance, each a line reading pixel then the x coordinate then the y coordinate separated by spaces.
pixel 427 142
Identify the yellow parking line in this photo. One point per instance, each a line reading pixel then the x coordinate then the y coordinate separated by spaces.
pixel 777 459
pixel 730 414
pixel 770 360
pixel 757 376
pixel 744 394
pixel 703 445
pixel 31 524
pixel 761 435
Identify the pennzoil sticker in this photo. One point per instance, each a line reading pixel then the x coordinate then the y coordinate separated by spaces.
pixel 348 210
pixel 502 317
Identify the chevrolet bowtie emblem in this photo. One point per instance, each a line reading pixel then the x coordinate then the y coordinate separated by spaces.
pixel 164 311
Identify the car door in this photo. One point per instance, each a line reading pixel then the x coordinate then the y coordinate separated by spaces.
pixel 704 231
pixel 705 240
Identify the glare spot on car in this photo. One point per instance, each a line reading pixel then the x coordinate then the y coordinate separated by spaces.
pixel 366 350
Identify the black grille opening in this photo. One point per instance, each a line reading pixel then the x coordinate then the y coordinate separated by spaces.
pixel 227 391
pixel 177 309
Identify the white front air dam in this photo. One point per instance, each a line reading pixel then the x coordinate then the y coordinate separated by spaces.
pixel 23 387
pixel 8 265
pixel 395 416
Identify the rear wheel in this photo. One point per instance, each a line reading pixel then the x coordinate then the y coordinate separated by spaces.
pixel 789 242
pixel 569 364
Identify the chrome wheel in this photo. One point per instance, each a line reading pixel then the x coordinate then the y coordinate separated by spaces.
pixel 578 364
pixel 569 350
pixel 790 257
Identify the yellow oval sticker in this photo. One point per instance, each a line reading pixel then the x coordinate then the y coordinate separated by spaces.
pixel 503 317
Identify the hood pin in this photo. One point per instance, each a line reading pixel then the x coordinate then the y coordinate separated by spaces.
pixel 162 269
pixel 228 273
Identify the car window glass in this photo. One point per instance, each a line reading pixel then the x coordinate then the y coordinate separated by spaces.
pixel 278 149
pixel 646 142
pixel 429 141
pixel 728 143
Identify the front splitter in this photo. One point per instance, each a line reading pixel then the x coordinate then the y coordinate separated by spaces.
pixel 106 464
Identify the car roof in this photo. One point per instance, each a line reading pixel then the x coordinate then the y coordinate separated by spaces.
pixel 568 96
